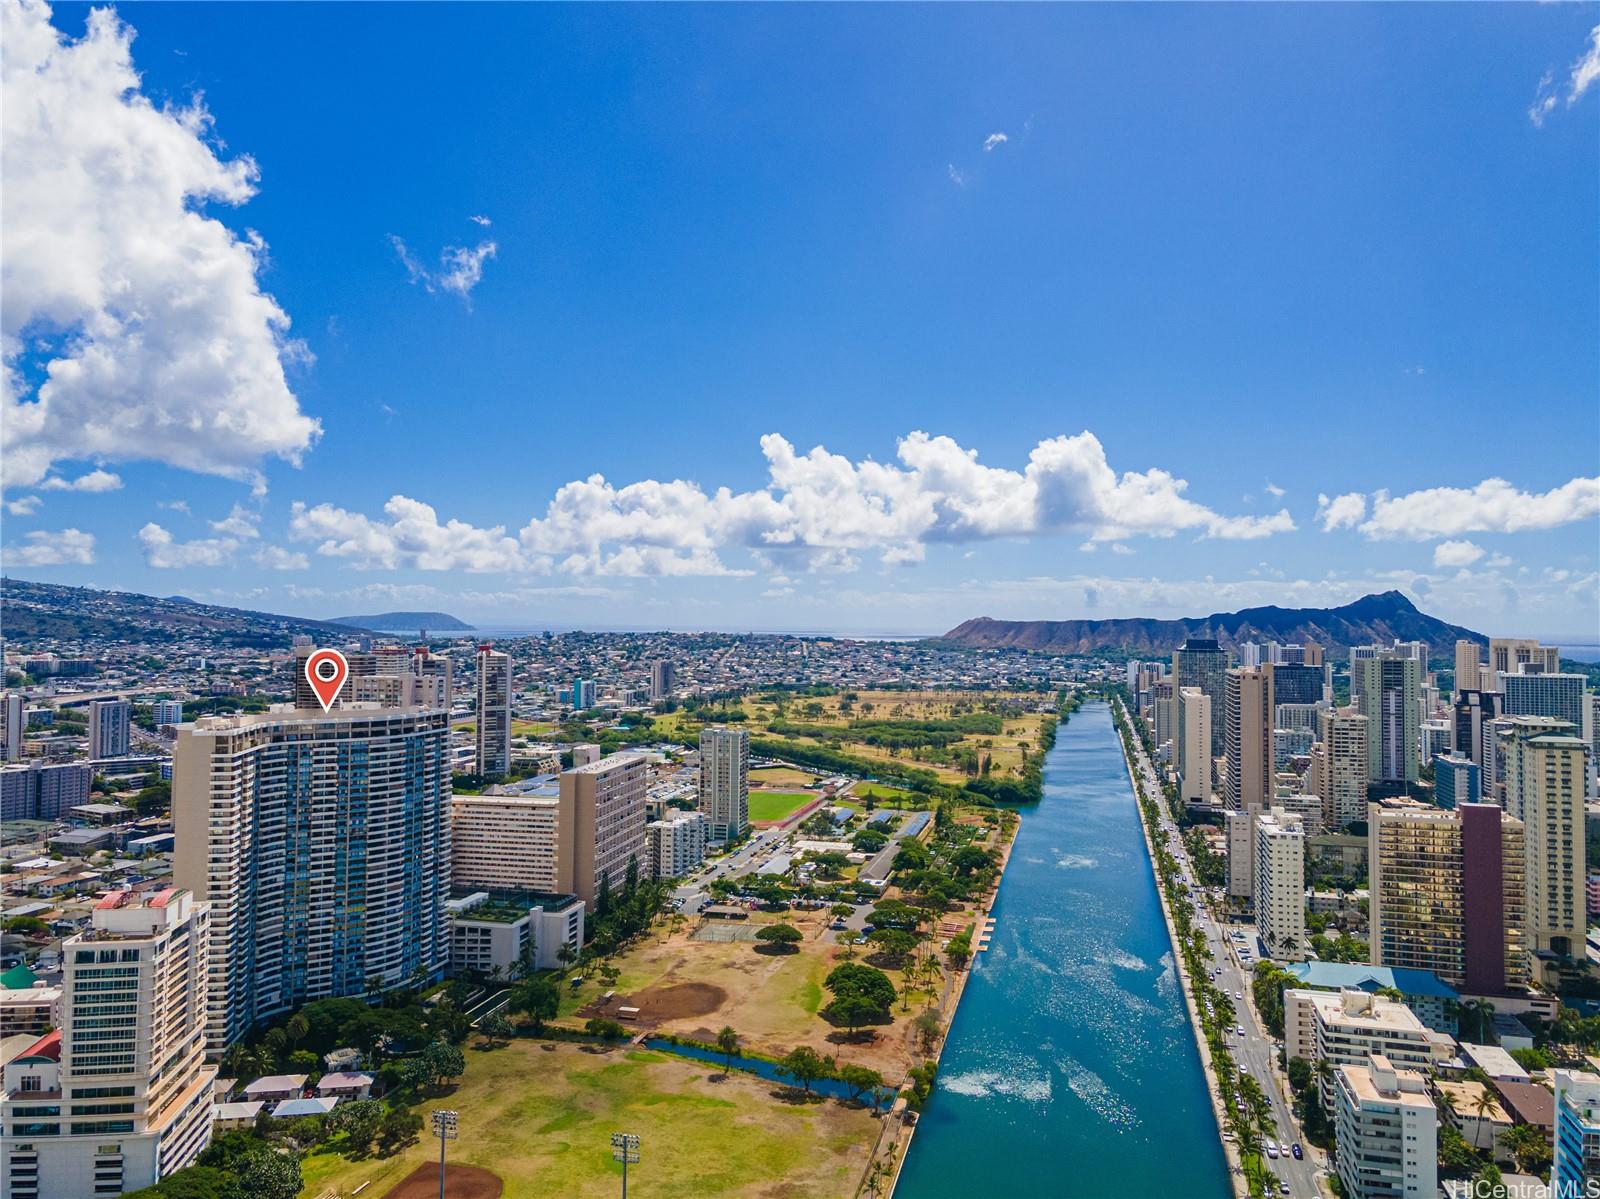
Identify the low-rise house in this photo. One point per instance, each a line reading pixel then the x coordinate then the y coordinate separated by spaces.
pixel 1528 1103
pixel 294 1109
pixel 276 1086
pixel 344 1085
pixel 231 1116
pixel 1475 1111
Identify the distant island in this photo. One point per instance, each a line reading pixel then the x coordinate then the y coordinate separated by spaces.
pixel 1372 619
pixel 390 622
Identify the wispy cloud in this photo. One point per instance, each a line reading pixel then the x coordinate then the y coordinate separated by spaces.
pixel 460 268
pixel 480 220
pixel 1580 78
pixel 993 140
pixel 957 176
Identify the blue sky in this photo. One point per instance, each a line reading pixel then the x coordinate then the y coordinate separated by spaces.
pixel 1272 253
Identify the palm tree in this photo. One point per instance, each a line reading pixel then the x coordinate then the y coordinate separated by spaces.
pixel 1527 1146
pixel 728 1042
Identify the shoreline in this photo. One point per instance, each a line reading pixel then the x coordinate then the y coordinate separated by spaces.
pixel 1230 1149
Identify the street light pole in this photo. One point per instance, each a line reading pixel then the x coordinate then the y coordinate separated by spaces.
pixel 624 1149
pixel 444 1127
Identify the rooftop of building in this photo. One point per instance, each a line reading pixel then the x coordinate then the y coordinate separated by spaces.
pixel 1528 1102
pixel 1372 1083
pixel 1359 1007
pixel 609 762
pixel 1359 976
pixel 1465 1096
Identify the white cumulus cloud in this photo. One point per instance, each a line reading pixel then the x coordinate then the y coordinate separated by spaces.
pixel 69 547
pixel 143 316
pixel 411 537
pixel 164 552
pixel 1341 511
pixel 1456 553
pixel 95 481
pixel 25 505
pixel 818 511
pixel 1493 506
pixel 993 140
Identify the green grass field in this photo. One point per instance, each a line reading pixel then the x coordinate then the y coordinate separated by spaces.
pixel 777 805
pixel 886 797
pixel 541 1118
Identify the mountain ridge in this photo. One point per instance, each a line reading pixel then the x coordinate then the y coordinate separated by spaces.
pixel 53 611
pixel 1378 618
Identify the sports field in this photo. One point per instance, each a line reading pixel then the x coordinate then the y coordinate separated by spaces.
pixel 541 1116
pixel 777 805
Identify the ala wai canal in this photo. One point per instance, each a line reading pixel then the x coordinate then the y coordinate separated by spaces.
pixel 1071 1069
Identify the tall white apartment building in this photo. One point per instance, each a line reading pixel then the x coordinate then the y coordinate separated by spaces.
pixel 120 1095
pixel 676 843
pixel 602 824
pixel 493 728
pixel 1241 832
pixel 1544 788
pixel 725 781
pixel 1193 750
pixel 1386 1131
pixel 167 711
pixel 108 728
pixel 16 724
pixel 1346 1027
pixel 322 842
pixel 506 842
pixel 1339 767
pixel 1280 884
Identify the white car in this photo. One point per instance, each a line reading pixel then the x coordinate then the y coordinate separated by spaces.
pixel 1238 994
pixel 1272 1150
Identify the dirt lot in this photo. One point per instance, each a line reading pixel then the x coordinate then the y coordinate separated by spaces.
pixel 679 1001
pixel 691 988
pixel 460 1182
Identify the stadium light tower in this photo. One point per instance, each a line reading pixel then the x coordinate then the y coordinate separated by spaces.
pixel 444 1127
pixel 624 1149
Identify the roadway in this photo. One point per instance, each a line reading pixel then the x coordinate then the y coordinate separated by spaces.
pixel 1257 1051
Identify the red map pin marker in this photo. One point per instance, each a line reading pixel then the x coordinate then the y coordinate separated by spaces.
pixel 326 671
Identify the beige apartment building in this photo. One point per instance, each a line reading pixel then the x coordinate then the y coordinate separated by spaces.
pixel 1544 787
pixel 130 1053
pixel 602 823
pixel 1248 725
pixel 507 842
pixel 1339 767
pixel 1192 753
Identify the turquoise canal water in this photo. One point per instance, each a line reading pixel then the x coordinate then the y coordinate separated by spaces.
pixel 1071 1069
